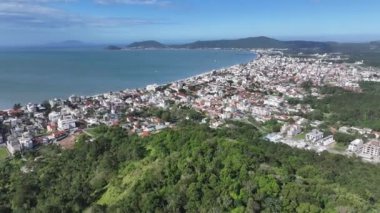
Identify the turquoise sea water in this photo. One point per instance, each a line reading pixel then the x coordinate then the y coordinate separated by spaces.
pixel 37 75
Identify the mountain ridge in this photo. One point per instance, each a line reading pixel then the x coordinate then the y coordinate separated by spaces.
pixel 264 42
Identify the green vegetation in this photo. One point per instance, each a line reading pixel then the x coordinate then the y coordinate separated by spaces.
pixel 17 106
pixel 349 108
pixel 340 147
pixel 272 126
pixel 343 138
pixel 3 153
pixel 176 113
pixel 369 58
pixel 300 136
pixel 190 168
pixel 294 101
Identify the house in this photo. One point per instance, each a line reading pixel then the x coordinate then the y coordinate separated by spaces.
pixel 362 131
pixel 273 137
pixel 316 123
pixel 260 111
pixel 327 140
pixel 51 127
pixel 314 136
pixel 371 149
pixel 355 145
pixel 273 101
pixel 344 129
pixel 301 121
pixel 13 145
pixel 291 130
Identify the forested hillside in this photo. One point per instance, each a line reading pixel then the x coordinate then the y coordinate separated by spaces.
pixel 350 108
pixel 188 169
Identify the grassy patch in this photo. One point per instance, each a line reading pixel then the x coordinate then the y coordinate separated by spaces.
pixel 300 136
pixel 92 131
pixel 340 147
pixel 129 176
pixel 3 153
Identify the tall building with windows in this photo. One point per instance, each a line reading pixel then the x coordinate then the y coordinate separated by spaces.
pixel 371 149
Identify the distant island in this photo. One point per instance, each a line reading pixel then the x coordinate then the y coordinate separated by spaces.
pixel 147 44
pixel 113 47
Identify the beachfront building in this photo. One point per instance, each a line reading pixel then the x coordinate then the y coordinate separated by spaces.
pixel 31 107
pixel 74 99
pixel 152 87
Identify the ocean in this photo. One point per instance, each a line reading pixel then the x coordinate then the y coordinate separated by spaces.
pixel 34 75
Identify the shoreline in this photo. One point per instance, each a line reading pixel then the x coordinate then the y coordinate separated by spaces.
pixel 254 53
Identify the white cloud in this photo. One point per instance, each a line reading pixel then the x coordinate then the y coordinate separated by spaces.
pixel 37 14
pixel 23 8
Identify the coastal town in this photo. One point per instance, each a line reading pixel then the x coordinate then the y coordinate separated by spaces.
pixel 257 92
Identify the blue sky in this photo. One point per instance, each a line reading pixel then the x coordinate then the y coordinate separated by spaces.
pixel 122 21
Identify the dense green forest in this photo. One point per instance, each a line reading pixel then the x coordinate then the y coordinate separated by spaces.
pixel 350 108
pixel 369 58
pixel 191 168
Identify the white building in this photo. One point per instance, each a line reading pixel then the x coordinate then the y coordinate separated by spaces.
pixel 327 140
pixel 31 107
pixel 314 136
pixel 55 101
pixel 260 111
pixel 54 116
pixel 371 149
pixel 273 101
pixel 74 99
pixel 66 122
pixel 152 87
pixel 355 145
pixel 344 129
pixel 274 137
pixel 291 130
pixel 316 123
pixel 26 141
pixel 13 145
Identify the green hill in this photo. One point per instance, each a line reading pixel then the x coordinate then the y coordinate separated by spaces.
pixel 188 169
pixel 266 42
pixel 253 42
